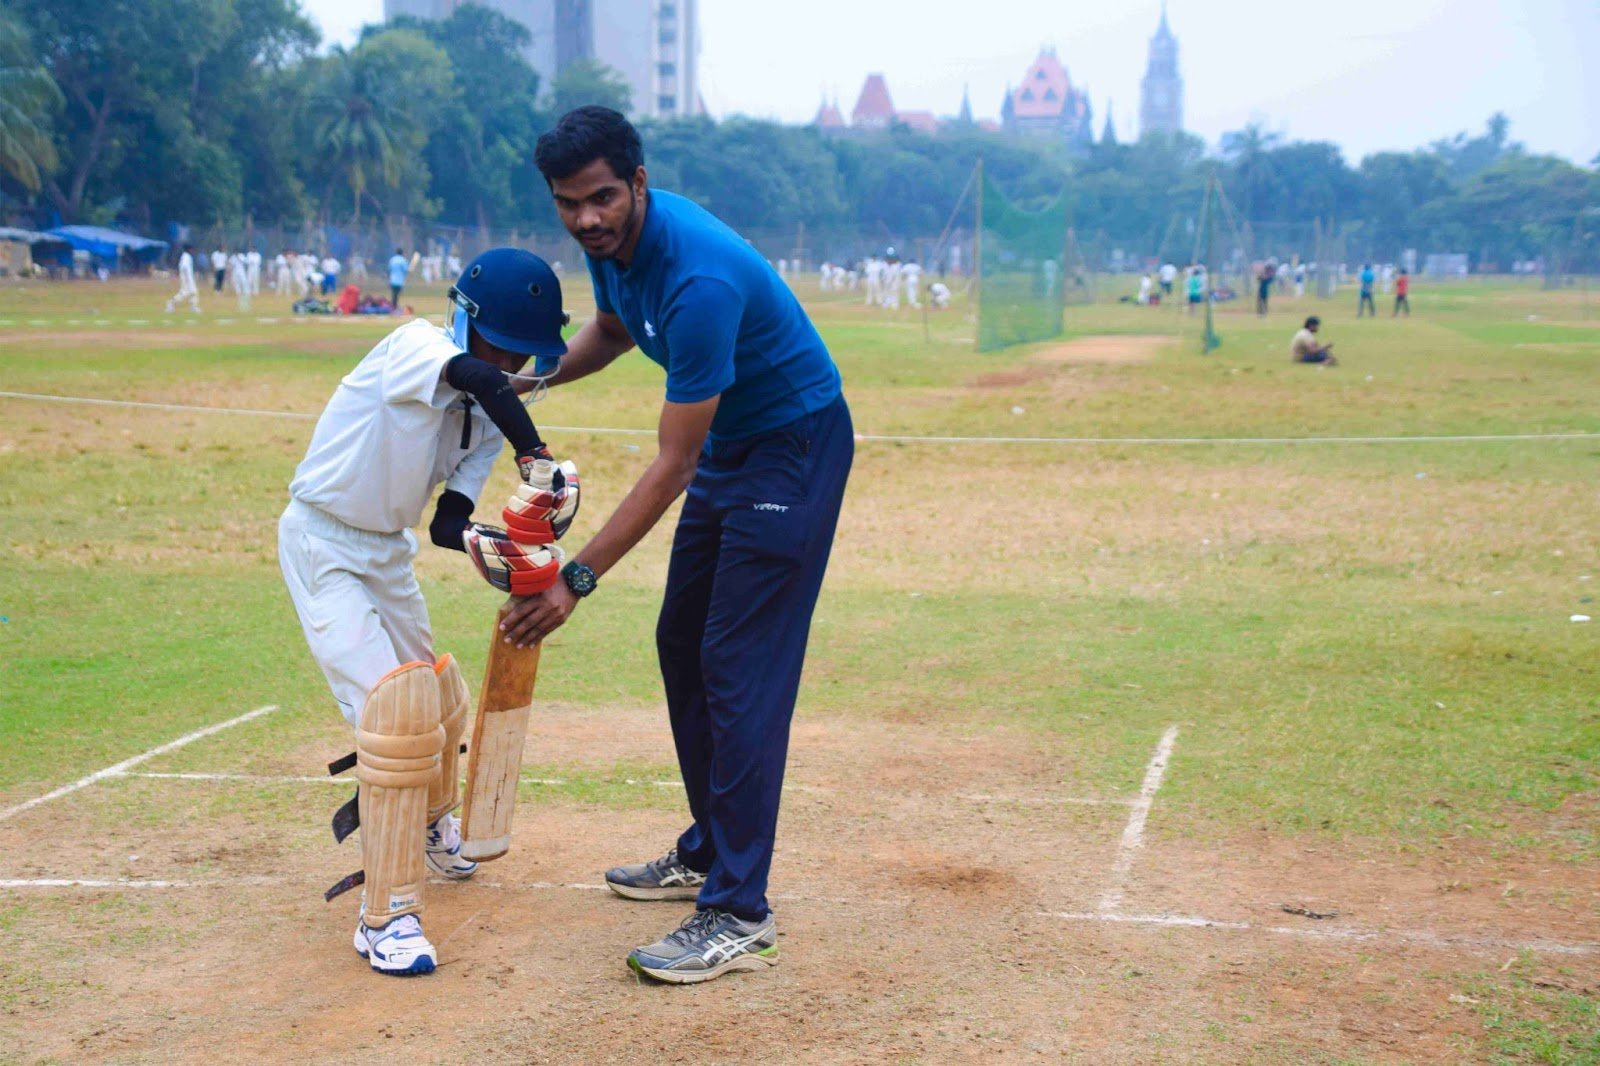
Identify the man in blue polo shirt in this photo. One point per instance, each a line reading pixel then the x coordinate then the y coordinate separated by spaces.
pixel 755 428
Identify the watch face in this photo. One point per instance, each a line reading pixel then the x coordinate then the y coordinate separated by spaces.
pixel 580 579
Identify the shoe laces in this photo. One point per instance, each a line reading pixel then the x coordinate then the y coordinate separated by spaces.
pixel 695 927
pixel 665 863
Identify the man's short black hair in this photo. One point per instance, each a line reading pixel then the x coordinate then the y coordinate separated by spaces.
pixel 585 134
pixel 1313 321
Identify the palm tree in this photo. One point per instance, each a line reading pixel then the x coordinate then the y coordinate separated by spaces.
pixel 27 96
pixel 1247 149
pixel 354 133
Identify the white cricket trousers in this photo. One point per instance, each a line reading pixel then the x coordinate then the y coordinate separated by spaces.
pixel 358 600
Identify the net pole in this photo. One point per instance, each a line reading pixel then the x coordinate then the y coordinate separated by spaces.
pixel 938 245
pixel 977 259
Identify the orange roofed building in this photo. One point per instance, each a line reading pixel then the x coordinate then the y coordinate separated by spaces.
pixel 1047 105
pixel 874 110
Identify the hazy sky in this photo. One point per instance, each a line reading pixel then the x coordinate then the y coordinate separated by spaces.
pixel 1366 74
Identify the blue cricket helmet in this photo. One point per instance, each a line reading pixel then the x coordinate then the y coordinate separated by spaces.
pixel 513 299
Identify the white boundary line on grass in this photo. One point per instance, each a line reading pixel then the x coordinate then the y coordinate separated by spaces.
pixel 1133 832
pixel 122 767
pixel 879 437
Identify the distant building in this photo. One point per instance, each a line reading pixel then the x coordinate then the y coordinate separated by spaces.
pixel 829 116
pixel 1046 105
pixel 1161 92
pixel 874 110
pixel 653 44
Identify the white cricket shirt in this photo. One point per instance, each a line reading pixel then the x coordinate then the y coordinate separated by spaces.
pixel 392 432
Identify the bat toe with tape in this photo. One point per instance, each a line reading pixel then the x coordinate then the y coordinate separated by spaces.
pixel 510 565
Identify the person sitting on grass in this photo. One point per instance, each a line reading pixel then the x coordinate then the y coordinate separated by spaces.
pixel 1305 349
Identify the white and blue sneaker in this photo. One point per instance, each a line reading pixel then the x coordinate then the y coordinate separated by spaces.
pixel 708 944
pixel 398 948
pixel 442 851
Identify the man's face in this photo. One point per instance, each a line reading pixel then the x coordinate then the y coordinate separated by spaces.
pixel 1314 326
pixel 598 208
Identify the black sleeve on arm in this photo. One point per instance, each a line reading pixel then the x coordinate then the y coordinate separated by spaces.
pixel 486 384
pixel 450 519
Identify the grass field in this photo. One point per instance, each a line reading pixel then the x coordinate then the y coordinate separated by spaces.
pixel 1081 716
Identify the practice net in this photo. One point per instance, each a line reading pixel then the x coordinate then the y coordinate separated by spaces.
pixel 1023 268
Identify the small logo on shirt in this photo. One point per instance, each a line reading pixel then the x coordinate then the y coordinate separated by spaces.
pixel 649 330
pixel 770 507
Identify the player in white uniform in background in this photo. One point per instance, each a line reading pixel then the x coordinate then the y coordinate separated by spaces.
pixel 186 286
pixel 239 279
pixel 911 276
pixel 310 276
pixel 281 277
pixel 252 271
pixel 891 282
pixel 874 272
pixel 939 295
pixel 427 405
pixel 219 269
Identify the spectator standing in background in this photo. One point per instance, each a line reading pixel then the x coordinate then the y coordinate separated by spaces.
pixel 1402 294
pixel 1365 305
pixel 398 269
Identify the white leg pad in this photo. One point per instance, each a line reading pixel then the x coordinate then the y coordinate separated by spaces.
pixel 444 795
pixel 397 761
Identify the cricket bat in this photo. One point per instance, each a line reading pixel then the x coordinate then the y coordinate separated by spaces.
pixel 416 257
pixel 494 756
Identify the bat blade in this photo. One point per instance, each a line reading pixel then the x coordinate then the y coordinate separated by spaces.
pixel 494 757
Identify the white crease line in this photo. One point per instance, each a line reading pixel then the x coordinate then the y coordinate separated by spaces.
pixel 1404 936
pixel 1464 438
pixel 119 768
pixel 559 782
pixel 1133 832
pixel 1442 941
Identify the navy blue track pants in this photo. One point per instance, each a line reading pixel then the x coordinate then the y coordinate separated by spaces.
pixel 747 563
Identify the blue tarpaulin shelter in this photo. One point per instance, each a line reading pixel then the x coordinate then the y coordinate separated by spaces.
pixel 110 246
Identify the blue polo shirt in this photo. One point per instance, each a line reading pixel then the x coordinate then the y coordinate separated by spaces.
pixel 704 305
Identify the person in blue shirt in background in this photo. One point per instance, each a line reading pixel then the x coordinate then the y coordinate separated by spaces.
pixel 399 267
pixel 1365 304
pixel 755 429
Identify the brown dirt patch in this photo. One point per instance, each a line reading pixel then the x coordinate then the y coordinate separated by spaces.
pixel 1010 379
pixel 920 921
pixel 1108 349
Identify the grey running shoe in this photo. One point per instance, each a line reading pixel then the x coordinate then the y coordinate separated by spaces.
pixel 708 944
pixel 664 878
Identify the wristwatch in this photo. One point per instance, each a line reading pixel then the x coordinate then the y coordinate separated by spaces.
pixel 579 578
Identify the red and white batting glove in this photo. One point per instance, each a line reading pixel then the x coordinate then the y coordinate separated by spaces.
pixel 542 508
pixel 510 566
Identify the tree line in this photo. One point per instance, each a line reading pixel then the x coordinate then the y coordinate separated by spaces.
pixel 211 112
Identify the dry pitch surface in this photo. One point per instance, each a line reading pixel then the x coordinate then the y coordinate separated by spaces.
pixel 1055 813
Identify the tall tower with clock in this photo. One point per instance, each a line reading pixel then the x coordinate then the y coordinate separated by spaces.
pixel 1161 92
